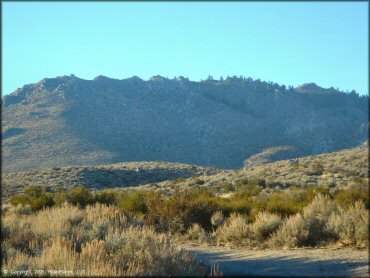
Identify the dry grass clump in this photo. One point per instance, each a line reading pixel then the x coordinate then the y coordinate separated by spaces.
pixel 265 225
pixel 100 240
pixel 235 230
pixel 310 228
pixel 132 252
pixel 197 233
pixel 217 218
pixel 292 233
pixel 351 225
pixel 316 217
pixel 321 222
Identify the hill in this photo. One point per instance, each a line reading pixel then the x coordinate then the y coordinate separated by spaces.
pixel 120 175
pixel 68 121
pixel 335 170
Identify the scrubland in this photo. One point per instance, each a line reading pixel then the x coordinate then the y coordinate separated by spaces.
pixel 140 231
pixel 98 240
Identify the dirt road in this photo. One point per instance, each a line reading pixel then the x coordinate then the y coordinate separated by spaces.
pixel 297 262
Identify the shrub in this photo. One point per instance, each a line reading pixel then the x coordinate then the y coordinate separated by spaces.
pixel 180 210
pixel 80 196
pixel 217 218
pixel 351 225
pixel 118 252
pixel 309 229
pixel 283 204
pixel 106 197
pixel 235 229
pixel 196 232
pixel 347 197
pixel 34 191
pixel 60 198
pixel 46 199
pixel 19 199
pixel 35 197
pixel 316 215
pixel 290 201
pixel 316 169
pixel 134 202
pixel 292 233
pixel 265 225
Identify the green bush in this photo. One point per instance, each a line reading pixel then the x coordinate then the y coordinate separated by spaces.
pixel 34 191
pixel 60 198
pixel 347 197
pixel 179 211
pixel 280 204
pixel 19 199
pixel 134 202
pixel 44 200
pixel 205 203
pixel 106 197
pixel 80 196
pixel 289 202
pixel 35 197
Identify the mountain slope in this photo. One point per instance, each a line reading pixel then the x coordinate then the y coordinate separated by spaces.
pixel 338 169
pixel 70 121
pixel 118 175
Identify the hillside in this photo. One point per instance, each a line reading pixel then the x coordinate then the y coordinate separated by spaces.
pixel 335 170
pixel 118 175
pixel 338 169
pixel 68 121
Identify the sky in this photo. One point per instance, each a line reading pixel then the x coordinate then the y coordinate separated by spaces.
pixel 289 43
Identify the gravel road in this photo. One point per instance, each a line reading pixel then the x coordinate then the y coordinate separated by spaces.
pixel 296 262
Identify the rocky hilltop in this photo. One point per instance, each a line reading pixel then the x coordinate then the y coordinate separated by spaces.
pixel 68 121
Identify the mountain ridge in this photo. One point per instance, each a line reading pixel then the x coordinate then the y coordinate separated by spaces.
pixel 71 121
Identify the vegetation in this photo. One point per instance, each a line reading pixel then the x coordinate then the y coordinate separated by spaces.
pixel 114 232
pixel 294 215
pixel 134 232
pixel 95 241
pixel 35 197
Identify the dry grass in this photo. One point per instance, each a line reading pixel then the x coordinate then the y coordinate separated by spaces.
pixel 322 222
pixel 292 233
pixel 99 241
pixel 197 234
pixel 234 230
pixel 265 225
pixel 351 225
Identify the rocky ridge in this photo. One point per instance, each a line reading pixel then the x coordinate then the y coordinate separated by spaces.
pixel 69 121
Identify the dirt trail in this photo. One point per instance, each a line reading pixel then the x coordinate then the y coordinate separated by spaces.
pixel 297 262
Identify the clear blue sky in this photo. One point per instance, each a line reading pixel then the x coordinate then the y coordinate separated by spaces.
pixel 288 42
